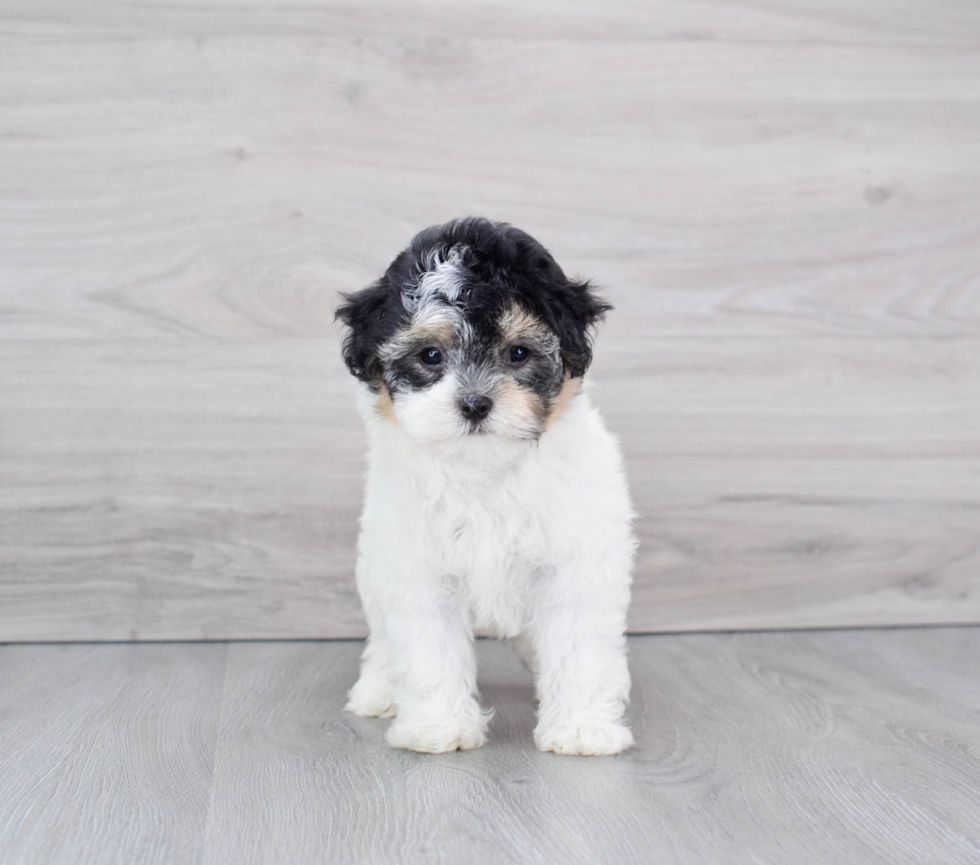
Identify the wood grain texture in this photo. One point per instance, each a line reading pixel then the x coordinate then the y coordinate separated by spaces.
pixel 107 751
pixel 210 490
pixel 189 489
pixel 903 22
pixel 179 181
pixel 782 202
pixel 773 747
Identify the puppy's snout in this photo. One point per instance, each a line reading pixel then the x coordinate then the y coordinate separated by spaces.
pixel 475 407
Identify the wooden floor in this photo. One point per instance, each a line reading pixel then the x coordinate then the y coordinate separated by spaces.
pixel 782 200
pixel 823 746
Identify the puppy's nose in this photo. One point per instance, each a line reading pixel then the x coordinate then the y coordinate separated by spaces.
pixel 475 406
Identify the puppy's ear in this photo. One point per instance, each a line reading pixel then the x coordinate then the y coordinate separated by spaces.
pixel 372 315
pixel 575 310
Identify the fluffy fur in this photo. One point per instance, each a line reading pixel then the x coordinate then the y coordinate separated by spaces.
pixel 496 501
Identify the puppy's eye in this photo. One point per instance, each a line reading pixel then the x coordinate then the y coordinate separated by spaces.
pixel 430 356
pixel 518 354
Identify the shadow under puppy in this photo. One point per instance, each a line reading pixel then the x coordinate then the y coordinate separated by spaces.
pixel 496 501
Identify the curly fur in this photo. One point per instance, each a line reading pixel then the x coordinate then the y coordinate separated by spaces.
pixel 513 523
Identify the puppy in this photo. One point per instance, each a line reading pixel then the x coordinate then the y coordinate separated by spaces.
pixel 496 501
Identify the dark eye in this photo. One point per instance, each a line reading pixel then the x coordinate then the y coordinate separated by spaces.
pixel 519 354
pixel 430 356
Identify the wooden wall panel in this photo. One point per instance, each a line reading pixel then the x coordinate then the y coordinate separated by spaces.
pixel 784 207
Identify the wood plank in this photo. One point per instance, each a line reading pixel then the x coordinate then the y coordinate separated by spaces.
pixel 836 21
pixel 770 544
pixel 781 201
pixel 171 183
pixel 799 482
pixel 177 490
pixel 107 751
pixel 828 719
pixel 185 490
pixel 779 746
pixel 803 747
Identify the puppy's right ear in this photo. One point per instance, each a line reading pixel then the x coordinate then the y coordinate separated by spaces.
pixel 372 315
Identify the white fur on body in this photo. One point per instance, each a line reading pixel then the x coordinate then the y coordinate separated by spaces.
pixel 485 534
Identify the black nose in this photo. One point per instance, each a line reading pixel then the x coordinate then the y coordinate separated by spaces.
pixel 476 407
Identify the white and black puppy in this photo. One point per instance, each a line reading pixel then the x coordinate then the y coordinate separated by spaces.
pixel 496 500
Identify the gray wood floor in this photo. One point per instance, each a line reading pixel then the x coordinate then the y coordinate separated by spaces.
pixel 782 201
pixel 824 746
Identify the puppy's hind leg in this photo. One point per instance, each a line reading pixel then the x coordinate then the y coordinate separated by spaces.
pixel 371 696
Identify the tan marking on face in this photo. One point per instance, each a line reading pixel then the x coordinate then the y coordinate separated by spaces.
pixel 569 389
pixel 434 329
pixel 385 407
pixel 518 408
pixel 518 324
pixel 441 334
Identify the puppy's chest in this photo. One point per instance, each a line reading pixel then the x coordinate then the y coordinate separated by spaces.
pixel 474 535
pixel 494 548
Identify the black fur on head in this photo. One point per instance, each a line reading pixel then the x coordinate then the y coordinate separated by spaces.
pixel 502 266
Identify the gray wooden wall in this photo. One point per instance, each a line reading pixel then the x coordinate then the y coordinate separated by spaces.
pixel 782 200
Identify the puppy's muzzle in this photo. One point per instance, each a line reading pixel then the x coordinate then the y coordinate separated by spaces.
pixel 475 407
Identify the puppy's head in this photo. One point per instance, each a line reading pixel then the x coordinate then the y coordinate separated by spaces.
pixel 473 333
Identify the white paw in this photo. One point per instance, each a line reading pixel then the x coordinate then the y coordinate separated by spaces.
pixel 437 735
pixel 590 739
pixel 371 698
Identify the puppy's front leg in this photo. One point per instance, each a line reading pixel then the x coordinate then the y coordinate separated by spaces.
pixel 371 696
pixel 433 667
pixel 583 681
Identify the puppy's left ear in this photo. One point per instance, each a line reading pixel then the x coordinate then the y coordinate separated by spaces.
pixel 576 310
pixel 371 316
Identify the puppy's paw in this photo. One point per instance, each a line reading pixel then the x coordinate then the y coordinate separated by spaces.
pixel 371 698
pixel 588 738
pixel 436 735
